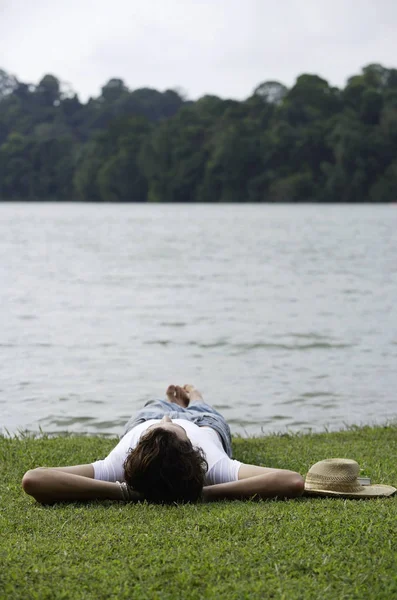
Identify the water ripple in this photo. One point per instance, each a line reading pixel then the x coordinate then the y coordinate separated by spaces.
pixel 246 347
pixel 293 347
pixel 66 421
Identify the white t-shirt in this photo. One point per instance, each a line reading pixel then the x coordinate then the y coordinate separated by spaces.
pixel 221 468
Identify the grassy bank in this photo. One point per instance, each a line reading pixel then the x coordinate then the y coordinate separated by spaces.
pixel 306 548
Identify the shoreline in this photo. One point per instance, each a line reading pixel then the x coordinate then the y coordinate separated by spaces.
pixel 30 434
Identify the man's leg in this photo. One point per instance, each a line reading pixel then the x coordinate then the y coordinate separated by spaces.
pixel 175 406
pixel 207 416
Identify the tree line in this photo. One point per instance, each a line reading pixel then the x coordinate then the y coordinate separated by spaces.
pixel 311 142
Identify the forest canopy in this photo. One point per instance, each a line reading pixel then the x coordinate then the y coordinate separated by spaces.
pixel 311 142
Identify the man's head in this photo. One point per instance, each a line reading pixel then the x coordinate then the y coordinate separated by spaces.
pixel 164 467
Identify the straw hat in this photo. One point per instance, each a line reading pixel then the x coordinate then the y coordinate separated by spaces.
pixel 339 477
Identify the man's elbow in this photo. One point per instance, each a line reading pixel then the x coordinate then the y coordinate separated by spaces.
pixel 296 485
pixel 32 483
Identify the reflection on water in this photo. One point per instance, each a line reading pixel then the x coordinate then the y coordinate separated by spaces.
pixel 284 316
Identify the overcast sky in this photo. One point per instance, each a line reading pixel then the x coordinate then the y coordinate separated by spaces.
pixel 222 47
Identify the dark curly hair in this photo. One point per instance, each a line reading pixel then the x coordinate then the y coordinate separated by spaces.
pixel 165 469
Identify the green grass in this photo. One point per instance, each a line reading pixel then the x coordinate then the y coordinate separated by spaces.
pixel 306 548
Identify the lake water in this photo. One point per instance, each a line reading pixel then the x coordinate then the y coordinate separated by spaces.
pixel 284 316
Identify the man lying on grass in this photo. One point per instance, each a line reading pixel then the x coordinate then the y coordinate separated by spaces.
pixel 175 450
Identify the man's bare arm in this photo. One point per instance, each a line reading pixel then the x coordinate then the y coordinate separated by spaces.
pixel 57 485
pixel 83 470
pixel 271 484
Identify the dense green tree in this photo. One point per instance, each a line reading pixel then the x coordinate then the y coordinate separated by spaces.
pixel 312 142
pixel 310 99
pixel 89 162
pixel 37 167
pixel 16 168
pixel 174 158
pixel 48 92
pixel 233 160
pixel 385 187
pixel 109 166
pixel 121 176
pixel 271 92
pixel 8 83
pixel 113 90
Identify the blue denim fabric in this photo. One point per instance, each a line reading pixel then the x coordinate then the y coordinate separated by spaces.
pixel 203 415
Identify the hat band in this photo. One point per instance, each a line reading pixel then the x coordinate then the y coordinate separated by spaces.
pixel 331 484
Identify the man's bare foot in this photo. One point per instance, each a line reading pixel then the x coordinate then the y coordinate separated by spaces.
pixel 178 395
pixel 193 394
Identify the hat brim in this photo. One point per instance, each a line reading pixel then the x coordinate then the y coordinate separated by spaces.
pixel 368 491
